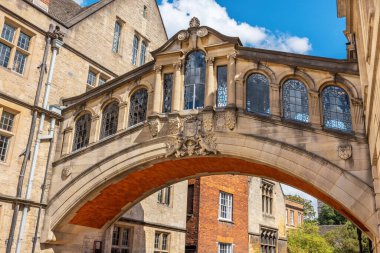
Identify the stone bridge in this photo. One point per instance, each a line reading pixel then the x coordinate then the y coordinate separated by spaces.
pixel 207 105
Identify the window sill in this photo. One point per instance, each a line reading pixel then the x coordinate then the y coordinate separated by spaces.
pixel 340 132
pixel 270 216
pixel 225 221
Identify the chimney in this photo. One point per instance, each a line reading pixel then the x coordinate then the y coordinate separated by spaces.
pixel 42 4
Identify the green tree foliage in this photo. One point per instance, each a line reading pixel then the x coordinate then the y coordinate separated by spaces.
pixel 306 239
pixel 344 239
pixel 308 209
pixel 329 216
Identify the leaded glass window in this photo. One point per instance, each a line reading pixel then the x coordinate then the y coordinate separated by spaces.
pixel 257 100
pixel 116 37
pixel 221 96
pixel 101 81
pixel 142 53
pixel 268 240
pixel 161 242
pixel 5 53
pixel 135 49
pixel 195 71
pixel 4 143
pixel 6 122
pixel 19 62
pixel 137 111
pixel 109 120
pixel 82 131
pixel 120 240
pixel 295 101
pixel 8 32
pixel 336 109
pixel 167 99
pixel 23 41
pixel 91 78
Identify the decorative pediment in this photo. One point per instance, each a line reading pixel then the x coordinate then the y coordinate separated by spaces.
pixel 195 36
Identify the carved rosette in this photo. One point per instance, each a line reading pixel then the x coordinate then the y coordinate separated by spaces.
pixel 194 29
pixel 201 32
pixel 230 118
pixel 345 151
pixel 192 140
pixel 153 127
pixel 183 35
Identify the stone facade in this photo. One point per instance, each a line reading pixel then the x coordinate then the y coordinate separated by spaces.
pixel 87 46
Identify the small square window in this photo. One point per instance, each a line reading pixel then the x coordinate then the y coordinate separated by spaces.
pixel 7 120
pixel 161 242
pixel 120 240
pixel 101 81
pixel 224 247
pixel 23 41
pixel 8 32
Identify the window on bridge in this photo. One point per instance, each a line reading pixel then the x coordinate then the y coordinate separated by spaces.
pixel 258 94
pixel 168 84
pixel 295 101
pixel 82 131
pixel 109 120
pixel 336 109
pixel 195 76
pixel 221 97
pixel 137 111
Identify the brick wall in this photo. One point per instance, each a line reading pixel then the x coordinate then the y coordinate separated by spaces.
pixel 193 219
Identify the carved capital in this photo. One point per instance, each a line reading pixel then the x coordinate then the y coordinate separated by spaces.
pixel 158 69
pixel 95 117
pixel 232 56
pixel 314 94
pixel 177 65
pixel 356 102
pixel 210 61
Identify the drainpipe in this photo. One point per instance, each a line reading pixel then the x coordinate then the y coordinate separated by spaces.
pixel 43 187
pixel 29 142
pixel 56 44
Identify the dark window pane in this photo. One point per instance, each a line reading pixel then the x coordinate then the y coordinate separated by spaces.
pixel 221 97
pixel 82 131
pixel 23 41
pixel 91 78
pixel 167 99
pixel 4 142
pixel 116 37
pixel 295 101
pixel 137 111
pixel 258 94
pixel 19 62
pixel 195 72
pixel 109 119
pixel 135 49
pixel 142 53
pixel 336 109
pixel 5 53
pixel 6 121
pixel 8 32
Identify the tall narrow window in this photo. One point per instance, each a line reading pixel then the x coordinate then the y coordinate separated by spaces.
pixel 224 247
pixel 6 128
pixel 195 70
pixel 5 53
pixel 164 196
pixel 120 240
pixel 167 99
pixel 109 120
pixel 145 11
pixel 258 94
pixel 225 206
pixel 23 41
pixel 91 78
pixel 116 37
pixel 295 101
pixel 82 131
pixel 190 199
pixel 336 109
pixel 135 49
pixel 268 240
pixel 8 32
pixel 221 96
pixel 142 52
pixel 267 197
pixel 137 110
pixel 291 220
pixel 19 62
pixel 161 242
pixel 299 219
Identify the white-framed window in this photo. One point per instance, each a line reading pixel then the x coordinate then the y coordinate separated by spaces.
pixel 161 242
pixel 116 37
pixel 135 49
pixel 224 247
pixel 225 206
pixel 291 214
pixel 14 47
pixel 164 196
pixel 142 52
pixel 299 218
pixel 6 132
pixel 91 78
pixel 121 239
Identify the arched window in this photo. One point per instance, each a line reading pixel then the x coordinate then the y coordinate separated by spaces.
pixel 109 120
pixel 195 70
pixel 258 94
pixel 336 109
pixel 295 101
pixel 142 52
pixel 82 131
pixel 137 111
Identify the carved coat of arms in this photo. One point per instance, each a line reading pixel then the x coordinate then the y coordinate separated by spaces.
pixel 345 151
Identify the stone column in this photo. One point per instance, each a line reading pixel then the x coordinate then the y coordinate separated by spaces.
pixel 123 116
pixel 357 115
pixel 157 91
pixel 274 98
pixel 240 94
pixel 94 130
pixel 231 93
pixel 209 89
pixel 314 108
pixel 67 141
pixel 176 103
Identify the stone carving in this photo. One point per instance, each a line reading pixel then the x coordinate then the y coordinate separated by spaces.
pixel 194 22
pixel 153 127
pixel 66 172
pixel 183 35
pixel 208 121
pixel 192 140
pixel 230 117
pixel 220 122
pixel 201 32
pixel 173 126
pixel 345 151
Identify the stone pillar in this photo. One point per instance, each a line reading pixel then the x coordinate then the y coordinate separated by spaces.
pixel 67 141
pixel 123 116
pixel 357 115
pixel 240 94
pixel 314 109
pixel 274 98
pixel 176 102
pixel 231 69
pixel 157 91
pixel 209 89
pixel 94 129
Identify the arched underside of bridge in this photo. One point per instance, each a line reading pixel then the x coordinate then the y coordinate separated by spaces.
pixel 102 192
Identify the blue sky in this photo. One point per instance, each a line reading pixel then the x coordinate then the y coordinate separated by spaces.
pixel 300 26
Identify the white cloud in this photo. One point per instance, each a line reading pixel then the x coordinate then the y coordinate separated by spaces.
pixel 80 2
pixel 177 14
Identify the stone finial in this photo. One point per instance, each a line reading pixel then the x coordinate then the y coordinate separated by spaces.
pixel 194 22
